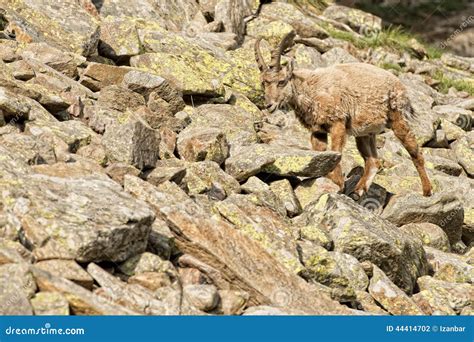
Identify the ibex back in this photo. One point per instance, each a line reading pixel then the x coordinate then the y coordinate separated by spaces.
pixel 357 99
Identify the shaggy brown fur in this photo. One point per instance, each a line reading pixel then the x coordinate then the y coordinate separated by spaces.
pixel 357 99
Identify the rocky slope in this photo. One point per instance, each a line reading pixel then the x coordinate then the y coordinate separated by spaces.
pixel 139 176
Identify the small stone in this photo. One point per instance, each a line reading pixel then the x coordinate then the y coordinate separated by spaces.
pixel 151 280
pixel 98 76
pixel 50 304
pixel 285 193
pixel 146 262
pixel 394 300
pixel 203 297
pixel 198 144
pixel 117 171
pixel 192 276
pixel 233 302
pixel 167 170
pixel 430 235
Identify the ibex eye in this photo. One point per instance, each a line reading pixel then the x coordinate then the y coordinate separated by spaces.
pixel 281 83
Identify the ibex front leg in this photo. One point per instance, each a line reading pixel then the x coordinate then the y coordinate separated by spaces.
pixel 338 140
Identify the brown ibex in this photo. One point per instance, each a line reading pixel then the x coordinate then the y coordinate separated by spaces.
pixel 355 98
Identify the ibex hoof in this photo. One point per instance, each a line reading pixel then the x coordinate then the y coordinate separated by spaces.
pixel 355 196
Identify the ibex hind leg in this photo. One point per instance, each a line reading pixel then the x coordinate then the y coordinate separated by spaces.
pixel 403 133
pixel 368 151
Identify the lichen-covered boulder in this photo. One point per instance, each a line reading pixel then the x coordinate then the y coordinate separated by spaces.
pixel 334 269
pixel 449 266
pixel 131 140
pixel 43 21
pixel 263 225
pixel 198 144
pixel 50 303
pixel 390 296
pixel 237 123
pixel 464 152
pixel 363 22
pixel 443 209
pixel 85 219
pixel 250 160
pixel 364 235
pixel 429 234
pixel 206 176
pixel 119 38
pixel 444 297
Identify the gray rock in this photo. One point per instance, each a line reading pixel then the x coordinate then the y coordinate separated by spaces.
pixel 441 294
pixel 364 235
pixel 131 140
pixel 394 300
pixel 334 269
pixel 429 234
pixel 250 160
pixel 67 269
pixel 202 177
pixel 285 193
pixel 449 266
pixel 198 144
pixel 79 218
pixel 232 302
pixel 50 304
pixel 263 225
pixel 219 243
pixel 146 83
pixel 443 209
pixel 203 297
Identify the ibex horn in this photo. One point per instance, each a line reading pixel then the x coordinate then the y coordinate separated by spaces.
pixel 258 56
pixel 276 53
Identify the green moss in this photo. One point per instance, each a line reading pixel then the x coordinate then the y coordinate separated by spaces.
pixel 392 38
pixel 445 83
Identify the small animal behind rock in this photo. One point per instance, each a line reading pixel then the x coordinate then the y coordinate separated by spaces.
pixel 356 98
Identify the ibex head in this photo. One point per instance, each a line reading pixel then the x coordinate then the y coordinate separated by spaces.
pixel 275 78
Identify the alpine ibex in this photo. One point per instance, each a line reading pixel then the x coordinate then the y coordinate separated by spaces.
pixel 356 98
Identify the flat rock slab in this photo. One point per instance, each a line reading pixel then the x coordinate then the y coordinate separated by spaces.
pixel 242 261
pixel 249 160
pixel 81 301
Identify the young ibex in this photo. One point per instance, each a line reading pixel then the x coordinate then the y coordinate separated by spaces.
pixel 356 98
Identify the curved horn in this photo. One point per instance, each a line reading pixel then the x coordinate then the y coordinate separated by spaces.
pixel 258 56
pixel 276 53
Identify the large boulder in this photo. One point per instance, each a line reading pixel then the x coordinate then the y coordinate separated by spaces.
pixel 43 21
pixel 85 218
pixel 364 235
pixel 230 251
pixel 263 225
pixel 443 209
